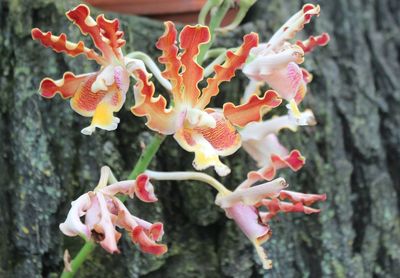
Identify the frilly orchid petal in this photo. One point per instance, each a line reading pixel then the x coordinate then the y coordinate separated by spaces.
pixel 297 197
pixel 159 118
pixel 80 16
pixel 67 86
pixel 167 44
pixel 275 206
pixel 312 42
pixel 252 110
pixel 61 44
pixel 191 38
pixel 226 71
pixel 146 243
pixel 73 225
pixel 144 190
pixel 292 26
pixel 110 31
pixel 295 161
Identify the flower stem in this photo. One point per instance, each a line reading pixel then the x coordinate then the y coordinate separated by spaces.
pixel 189 176
pixel 146 156
pixel 215 22
pixel 79 259
pixel 141 165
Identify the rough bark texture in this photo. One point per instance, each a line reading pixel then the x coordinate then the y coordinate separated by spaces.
pixel 352 155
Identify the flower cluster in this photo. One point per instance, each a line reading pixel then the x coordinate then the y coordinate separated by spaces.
pixel 208 132
pixel 103 212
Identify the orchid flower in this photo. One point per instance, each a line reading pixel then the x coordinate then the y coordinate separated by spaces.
pixel 209 133
pixel 244 206
pixel 251 206
pixel 261 142
pixel 103 212
pixel 277 62
pixel 97 94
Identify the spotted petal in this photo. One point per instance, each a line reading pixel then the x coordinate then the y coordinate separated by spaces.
pixel 209 143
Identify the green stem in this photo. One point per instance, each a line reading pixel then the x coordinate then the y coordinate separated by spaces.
pixel 206 9
pixel 141 165
pixel 79 259
pixel 214 23
pixel 244 6
pixel 146 156
pixel 212 53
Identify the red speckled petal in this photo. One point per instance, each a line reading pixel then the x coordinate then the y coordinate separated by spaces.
pixel 191 38
pixel 252 110
pixel 167 44
pixel 159 118
pixel 226 71
pixel 84 100
pixel 209 143
pixel 312 42
pixel 144 190
pixel 67 86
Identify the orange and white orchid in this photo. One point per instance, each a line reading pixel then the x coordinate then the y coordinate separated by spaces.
pixel 209 133
pixel 261 142
pixel 97 94
pixel 103 212
pixel 277 62
pixel 251 206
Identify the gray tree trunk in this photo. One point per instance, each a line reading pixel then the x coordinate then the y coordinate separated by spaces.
pixel 352 155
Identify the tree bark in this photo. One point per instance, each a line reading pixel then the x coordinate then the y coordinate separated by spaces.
pixel 352 155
